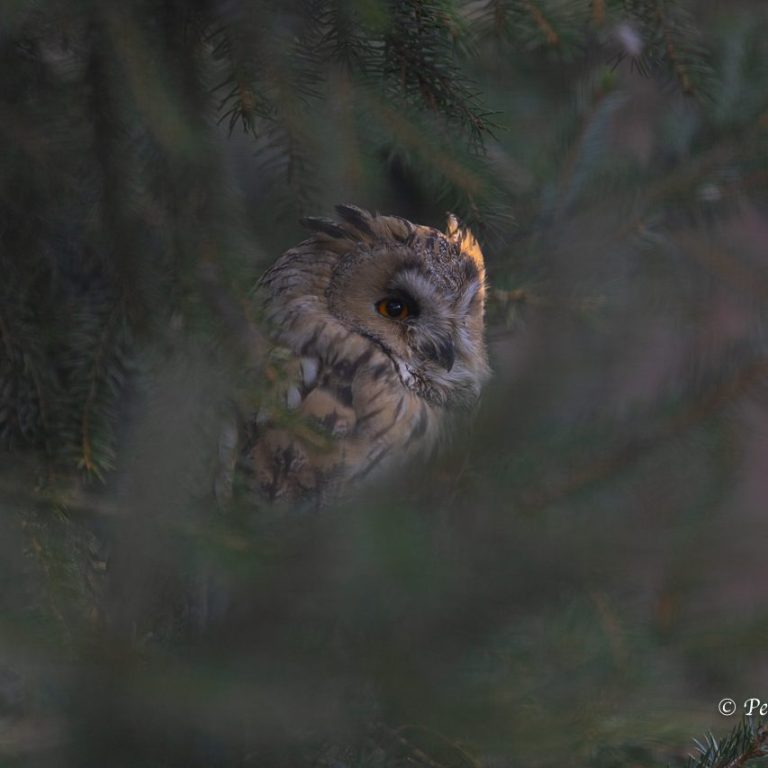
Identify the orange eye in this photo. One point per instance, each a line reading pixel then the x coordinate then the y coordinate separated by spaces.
pixel 394 309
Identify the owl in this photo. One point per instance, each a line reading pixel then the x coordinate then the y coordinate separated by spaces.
pixel 377 325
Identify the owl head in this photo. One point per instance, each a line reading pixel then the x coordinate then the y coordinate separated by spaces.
pixel 417 293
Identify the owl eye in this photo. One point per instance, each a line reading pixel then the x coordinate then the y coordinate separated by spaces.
pixel 395 309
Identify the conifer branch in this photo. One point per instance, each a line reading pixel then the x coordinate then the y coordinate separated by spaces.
pixel 417 755
pixel 720 395
pixel 670 44
pixel 43 559
pixel 498 10
pixel 598 12
pixel 95 375
pixel 547 30
pixel 746 742
pixel 672 51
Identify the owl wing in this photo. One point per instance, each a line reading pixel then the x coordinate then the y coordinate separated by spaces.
pixel 336 419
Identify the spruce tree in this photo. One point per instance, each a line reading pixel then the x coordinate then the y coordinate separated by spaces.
pixel 577 578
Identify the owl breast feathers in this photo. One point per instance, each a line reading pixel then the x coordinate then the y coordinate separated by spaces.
pixel 378 332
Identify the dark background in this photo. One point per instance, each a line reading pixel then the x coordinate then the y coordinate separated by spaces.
pixel 578 578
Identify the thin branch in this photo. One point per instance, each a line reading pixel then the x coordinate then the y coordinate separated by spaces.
pixel 86 460
pixel 542 23
pixel 713 401
pixel 412 750
pixel 522 296
pixel 755 750
pixel 465 756
pixel 598 12
pixel 672 53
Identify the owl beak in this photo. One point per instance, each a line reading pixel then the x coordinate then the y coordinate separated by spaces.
pixel 444 354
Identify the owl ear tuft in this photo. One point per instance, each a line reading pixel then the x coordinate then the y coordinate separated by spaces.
pixel 357 218
pixel 466 241
pixel 325 226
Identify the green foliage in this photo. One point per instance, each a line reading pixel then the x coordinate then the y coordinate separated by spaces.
pixel 743 745
pixel 578 578
pixel 116 101
pixel 671 44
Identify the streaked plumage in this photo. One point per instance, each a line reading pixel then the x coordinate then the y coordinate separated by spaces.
pixel 378 331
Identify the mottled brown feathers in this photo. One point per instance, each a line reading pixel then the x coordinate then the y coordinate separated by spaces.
pixel 354 391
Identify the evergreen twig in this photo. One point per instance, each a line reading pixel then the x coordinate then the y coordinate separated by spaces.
pixel 746 742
